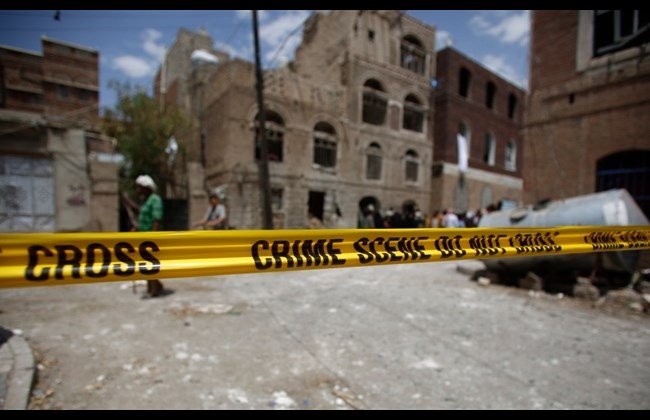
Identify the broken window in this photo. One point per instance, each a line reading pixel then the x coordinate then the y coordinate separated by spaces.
pixel 489 155
pixel 412 54
pixel 616 30
pixel 511 156
pixel 465 78
pixel 374 162
pixel 490 94
pixel 413 114
pixel 374 103
pixel 412 166
pixel 325 145
pixel 512 105
pixel 62 91
pixel 274 136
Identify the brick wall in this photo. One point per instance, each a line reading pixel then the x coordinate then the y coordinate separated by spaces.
pixel 574 118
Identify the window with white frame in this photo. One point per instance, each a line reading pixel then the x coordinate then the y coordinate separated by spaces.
pixel 616 30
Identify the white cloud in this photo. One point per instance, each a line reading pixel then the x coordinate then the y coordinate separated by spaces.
pixel 443 39
pixel 246 14
pixel 509 28
pixel 243 52
pixel 132 66
pixel 502 68
pixel 157 51
pixel 275 34
pixel 145 65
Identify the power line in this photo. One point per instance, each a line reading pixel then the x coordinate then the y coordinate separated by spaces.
pixel 286 39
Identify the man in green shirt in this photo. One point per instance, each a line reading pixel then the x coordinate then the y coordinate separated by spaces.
pixel 150 215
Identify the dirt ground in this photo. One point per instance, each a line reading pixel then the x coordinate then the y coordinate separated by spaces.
pixel 413 336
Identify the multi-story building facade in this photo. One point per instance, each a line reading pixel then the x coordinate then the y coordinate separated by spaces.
pixel 587 127
pixel 478 145
pixel 56 169
pixel 348 123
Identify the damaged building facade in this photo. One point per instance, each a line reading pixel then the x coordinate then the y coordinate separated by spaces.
pixel 348 122
pixel 587 128
pixel 478 136
pixel 57 172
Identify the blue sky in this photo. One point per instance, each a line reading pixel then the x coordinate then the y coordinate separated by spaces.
pixel 132 43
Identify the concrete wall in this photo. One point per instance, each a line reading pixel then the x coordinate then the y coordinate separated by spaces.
pixel 324 84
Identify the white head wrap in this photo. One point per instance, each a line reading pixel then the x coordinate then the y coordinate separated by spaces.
pixel 146 181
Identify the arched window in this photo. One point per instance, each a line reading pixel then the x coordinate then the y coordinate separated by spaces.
pixel 490 93
pixel 629 169
pixel 512 105
pixel 489 155
pixel 373 161
pixel 464 81
pixel 274 136
pixel 412 166
pixel 325 145
pixel 511 156
pixel 412 54
pixel 374 103
pixel 413 118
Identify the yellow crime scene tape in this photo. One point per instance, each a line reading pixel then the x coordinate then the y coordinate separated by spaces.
pixel 38 259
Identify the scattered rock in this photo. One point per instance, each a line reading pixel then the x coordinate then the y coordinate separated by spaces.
pixel 492 276
pixel 483 281
pixel 531 282
pixel 643 287
pixel 186 309
pixel 583 280
pixel 345 396
pixel 586 291
pixel 281 401
pixel 626 298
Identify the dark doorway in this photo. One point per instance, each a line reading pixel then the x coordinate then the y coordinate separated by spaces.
pixel 629 170
pixel 366 201
pixel 175 215
pixel 316 203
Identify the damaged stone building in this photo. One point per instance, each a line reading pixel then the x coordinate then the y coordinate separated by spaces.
pixel 587 128
pixel 478 140
pixel 348 122
pixel 57 172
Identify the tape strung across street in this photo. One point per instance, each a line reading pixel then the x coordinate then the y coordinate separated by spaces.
pixel 38 259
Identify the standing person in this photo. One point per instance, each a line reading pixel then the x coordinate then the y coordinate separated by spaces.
pixel 150 215
pixel 215 215
pixel 450 220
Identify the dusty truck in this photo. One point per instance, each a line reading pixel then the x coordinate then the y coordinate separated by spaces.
pixel 606 270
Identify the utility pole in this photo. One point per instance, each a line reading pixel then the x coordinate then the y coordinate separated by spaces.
pixel 265 183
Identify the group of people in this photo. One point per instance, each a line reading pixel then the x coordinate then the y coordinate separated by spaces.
pixel 413 218
pixel 149 210
pixel 373 219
